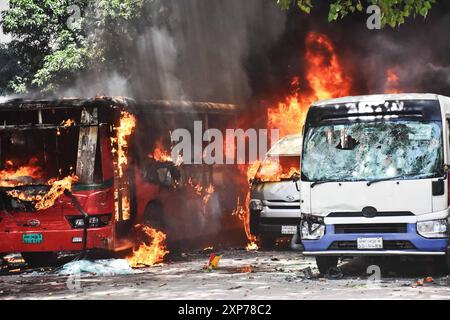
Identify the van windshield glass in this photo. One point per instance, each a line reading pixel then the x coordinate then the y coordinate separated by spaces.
pixel 373 150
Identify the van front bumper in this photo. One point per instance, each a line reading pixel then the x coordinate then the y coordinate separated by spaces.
pixel 330 244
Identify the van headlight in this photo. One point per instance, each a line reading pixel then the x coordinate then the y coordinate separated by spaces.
pixel 256 205
pixel 312 229
pixel 433 228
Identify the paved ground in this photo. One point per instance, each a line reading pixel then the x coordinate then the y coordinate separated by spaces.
pixel 241 275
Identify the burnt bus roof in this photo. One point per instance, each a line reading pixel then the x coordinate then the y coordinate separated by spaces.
pixel 138 107
pixel 424 107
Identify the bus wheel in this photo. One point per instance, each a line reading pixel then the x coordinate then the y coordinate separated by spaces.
pixel 325 263
pixel 154 215
pixel 40 259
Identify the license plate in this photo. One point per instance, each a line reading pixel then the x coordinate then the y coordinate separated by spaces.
pixel 370 243
pixel 288 229
pixel 32 238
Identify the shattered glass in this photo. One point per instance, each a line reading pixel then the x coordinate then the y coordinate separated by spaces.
pixel 373 150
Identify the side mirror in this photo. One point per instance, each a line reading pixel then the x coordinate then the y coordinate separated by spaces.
pixel 161 173
pixel 164 177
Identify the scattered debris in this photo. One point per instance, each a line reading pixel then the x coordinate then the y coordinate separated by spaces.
pixel 307 273
pixel 13 258
pixel 106 267
pixel 335 273
pixel 274 259
pixel 245 269
pixel 213 263
pixel 418 283
pixel 429 280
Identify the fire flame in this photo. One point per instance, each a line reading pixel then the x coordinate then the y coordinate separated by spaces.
pixel 126 127
pixel 204 192
pixel 124 130
pixel 12 177
pixel 392 81
pixel 67 123
pixel 271 170
pixel 161 154
pixel 325 78
pixel 149 255
pixel 46 200
pixel 243 214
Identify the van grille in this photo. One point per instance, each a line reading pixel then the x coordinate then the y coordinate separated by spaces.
pixel 379 214
pixel 370 228
pixel 387 245
pixel 281 221
pixel 284 207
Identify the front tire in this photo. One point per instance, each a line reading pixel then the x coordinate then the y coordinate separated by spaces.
pixel 40 259
pixel 443 263
pixel 325 263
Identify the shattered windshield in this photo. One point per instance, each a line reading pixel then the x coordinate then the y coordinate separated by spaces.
pixel 373 150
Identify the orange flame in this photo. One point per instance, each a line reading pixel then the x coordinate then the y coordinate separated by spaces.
pixel 46 200
pixel 326 78
pixel 204 192
pixel 160 153
pixel 126 127
pixel 149 255
pixel 392 81
pixel 67 123
pixel 242 212
pixel 12 177
pixel 271 170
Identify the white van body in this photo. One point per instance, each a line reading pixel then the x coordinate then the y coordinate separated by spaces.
pixel 375 177
pixel 275 205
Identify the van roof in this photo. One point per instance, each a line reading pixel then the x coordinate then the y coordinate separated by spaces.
pixel 378 97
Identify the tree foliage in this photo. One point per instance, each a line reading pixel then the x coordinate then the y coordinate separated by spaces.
pixel 393 12
pixel 53 42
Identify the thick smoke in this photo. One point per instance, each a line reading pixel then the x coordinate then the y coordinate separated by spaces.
pixel 417 52
pixel 192 49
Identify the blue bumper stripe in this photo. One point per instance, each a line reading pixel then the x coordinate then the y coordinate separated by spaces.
pixel 421 243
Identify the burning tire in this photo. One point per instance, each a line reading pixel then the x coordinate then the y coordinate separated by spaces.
pixel 325 263
pixel 40 259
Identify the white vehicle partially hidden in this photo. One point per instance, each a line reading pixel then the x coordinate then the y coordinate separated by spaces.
pixel 375 178
pixel 275 194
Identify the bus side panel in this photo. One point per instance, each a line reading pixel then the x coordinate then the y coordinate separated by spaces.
pixel 145 193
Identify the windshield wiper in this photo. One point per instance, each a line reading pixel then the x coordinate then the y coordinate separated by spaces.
pixel 315 183
pixel 398 177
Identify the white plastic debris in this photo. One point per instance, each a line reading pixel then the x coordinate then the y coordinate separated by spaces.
pixel 105 267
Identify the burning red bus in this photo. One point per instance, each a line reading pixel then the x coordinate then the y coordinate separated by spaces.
pixel 75 174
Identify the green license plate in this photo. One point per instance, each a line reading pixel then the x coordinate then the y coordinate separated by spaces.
pixel 31 238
